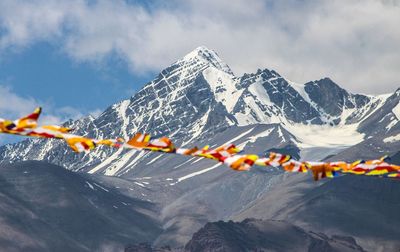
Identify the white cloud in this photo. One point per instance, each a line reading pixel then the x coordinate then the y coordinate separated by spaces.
pixel 13 106
pixel 357 43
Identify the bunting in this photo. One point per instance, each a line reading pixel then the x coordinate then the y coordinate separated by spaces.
pixel 228 153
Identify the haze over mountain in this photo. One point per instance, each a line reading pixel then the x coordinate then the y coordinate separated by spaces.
pixel 198 100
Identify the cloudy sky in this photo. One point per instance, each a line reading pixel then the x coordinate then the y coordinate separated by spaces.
pixel 77 57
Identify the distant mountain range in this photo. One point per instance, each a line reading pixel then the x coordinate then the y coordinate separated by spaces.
pixel 197 101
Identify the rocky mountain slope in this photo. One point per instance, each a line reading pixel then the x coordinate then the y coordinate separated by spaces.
pixel 361 207
pixel 265 235
pixel 256 235
pixel 45 207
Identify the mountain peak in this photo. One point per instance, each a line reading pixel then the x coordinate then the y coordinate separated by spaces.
pixel 202 52
pixel 199 50
pixel 207 56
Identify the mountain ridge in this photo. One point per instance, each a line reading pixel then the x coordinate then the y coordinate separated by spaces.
pixel 199 96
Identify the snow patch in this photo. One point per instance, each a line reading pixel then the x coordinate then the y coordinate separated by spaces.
pixel 123 106
pixel 106 162
pixel 99 186
pixel 258 107
pixel 183 163
pixel 265 133
pixel 239 136
pixel 223 87
pixel 197 160
pixel 392 139
pixel 191 175
pixel 259 91
pixel 139 184
pixel 393 122
pixel 144 178
pixel 254 138
pixel 300 89
pixel 396 111
pixel 325 135
pixel 155 159
pixel 90 185
pixel 122 161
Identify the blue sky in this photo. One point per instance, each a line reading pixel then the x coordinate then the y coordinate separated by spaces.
pixel 46 74
pixel 64 87
pixel 76 57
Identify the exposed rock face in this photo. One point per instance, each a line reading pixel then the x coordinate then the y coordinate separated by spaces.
pixel 265 235
pixel 332 99
pixel 256 235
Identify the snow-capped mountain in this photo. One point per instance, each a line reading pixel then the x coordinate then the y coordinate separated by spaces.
pixel 198 100
pixel 199 96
